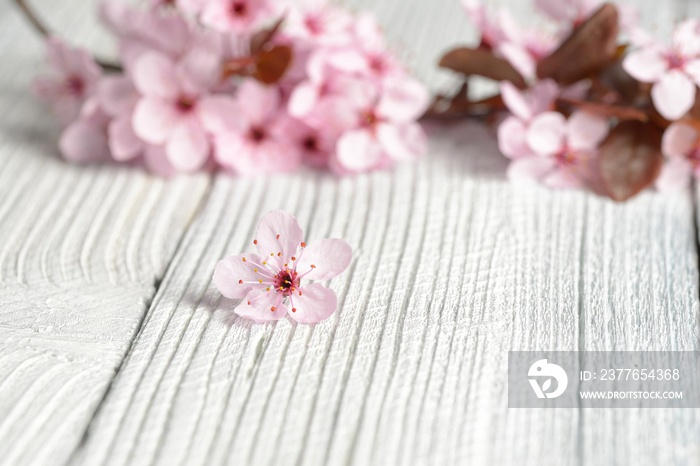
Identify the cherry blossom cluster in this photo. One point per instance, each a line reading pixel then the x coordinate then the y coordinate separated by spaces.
pixel 590 99
pixel 250 86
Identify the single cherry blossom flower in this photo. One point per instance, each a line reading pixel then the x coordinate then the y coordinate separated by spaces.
pixel 236 16
pixel 272 282
pixel 175 100
pixel 681 146
pixel 70 81
pixel 251 135
pixel 674 70
pixel 562 149
pixel 380 124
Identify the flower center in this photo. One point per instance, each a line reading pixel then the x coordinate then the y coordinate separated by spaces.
pixel 286 281
pixel 76 85
pixel 377 64
pixel 566 157
pixel 310 144
pixel 694 155
pixel 239 8
pixel 185 104
pixel 369 118
pixel 257 134
pixel 313 24
pixel 675 61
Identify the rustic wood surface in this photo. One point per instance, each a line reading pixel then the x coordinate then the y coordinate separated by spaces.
pixel 115 347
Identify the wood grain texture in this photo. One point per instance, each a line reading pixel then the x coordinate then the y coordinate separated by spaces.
pixel 81 252
pixel 453 267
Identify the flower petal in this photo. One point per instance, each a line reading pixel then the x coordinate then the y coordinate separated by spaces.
pixel 546 133
pixel 646 65
pixel 515 100
pixel 673 95
pixel 585 130
pixel 402 141
pixel 313 303
pixel 233 269
pixel 154 120
pixel 116 94
pixel 157 162
pixel 262 306
pixel 358 151
pixel 154 75
pixel 123 142
pixel 324 259
pixel 188 146
pixel 511 138
pixel 303 99
pixel 678 140
pixel 84 142
pixel 403 99
pixel 218 113
pixel 675 175
pixel 279 235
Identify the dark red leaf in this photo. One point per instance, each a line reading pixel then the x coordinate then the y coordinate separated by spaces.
pixel 482 63
pixel 272 64
pixel 261 39
pixel 590 47
pixel 630 159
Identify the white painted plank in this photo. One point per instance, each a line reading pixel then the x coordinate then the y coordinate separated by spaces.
pixel 454 267
pixel 81 250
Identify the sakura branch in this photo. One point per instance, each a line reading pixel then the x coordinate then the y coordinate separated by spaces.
pixel 247 86
pixel 592 101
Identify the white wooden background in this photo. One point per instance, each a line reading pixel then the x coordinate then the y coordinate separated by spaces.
pixel 115 347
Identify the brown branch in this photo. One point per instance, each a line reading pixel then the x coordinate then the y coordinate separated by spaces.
pixel 45 32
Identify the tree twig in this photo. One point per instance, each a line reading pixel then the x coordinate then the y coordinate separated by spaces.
pixel 44 31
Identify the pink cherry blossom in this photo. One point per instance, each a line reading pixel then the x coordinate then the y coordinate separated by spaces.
pixel 271 283
pixel 674 70
pixel 70 81
pixel 681 146
pixel 236 16
pixel 562 150
pixel 174 103
pixel 380 124
pixel 251 139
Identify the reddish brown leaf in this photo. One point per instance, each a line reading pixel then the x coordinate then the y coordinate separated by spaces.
pixel 261 39
pixel 606 110
pixel 482 63
pixel 590 47
pixel 630 159
pixel 272 64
